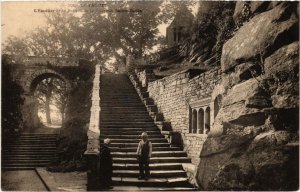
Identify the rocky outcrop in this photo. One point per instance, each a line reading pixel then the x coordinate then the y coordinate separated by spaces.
pixel 254 141
pixel 261 36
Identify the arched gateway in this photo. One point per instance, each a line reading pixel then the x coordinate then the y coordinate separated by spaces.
pixel 31 71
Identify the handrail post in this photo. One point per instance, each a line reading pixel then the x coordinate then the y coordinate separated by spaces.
pixel 93 146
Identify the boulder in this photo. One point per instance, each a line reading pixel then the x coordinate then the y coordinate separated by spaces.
pixel 264 162
pixel 238 11
pixel 276 167
pixel 261 36
pixel 255 7
pixel 285 101
pixel 242 106
pixel 236 174
pixel 215 152
pixel 285 59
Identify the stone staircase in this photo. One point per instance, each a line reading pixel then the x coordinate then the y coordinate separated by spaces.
pixel 123 118
pixel 28 151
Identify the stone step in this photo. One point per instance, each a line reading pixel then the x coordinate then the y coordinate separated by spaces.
pixel 123 129
pixel 153 140
pixel 21 150
pixel 28 152
pixel 135 131
pixel 31 139
pixel 154 166
pixel 157 182
pixel 124 120
pixel 154 173
pixel 13 168
pixel 25 161
pixel 21 155
pixel 154 154
pixel 154 188
pixel 30 145
pixel 133 149
pixel 124 110
pixel 6 159
pixel 121 112
pixel 155 160
pixel 124 145
pixel 128 125
pixel 45 136
pixel 24 164
pixel 114 105
pixel 126 115
pixel 130 136
pixel 120 100
pixel 125 107
pixel 124 101
pixel 104 93
pixel 118 89
pixel 39 134
pixel 28 142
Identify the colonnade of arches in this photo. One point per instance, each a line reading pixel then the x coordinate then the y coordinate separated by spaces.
pixel 201 116
pixel 200 120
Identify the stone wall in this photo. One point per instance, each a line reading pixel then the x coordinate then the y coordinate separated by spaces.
pixel 175 97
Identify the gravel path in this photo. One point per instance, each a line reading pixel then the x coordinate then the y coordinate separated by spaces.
pixel 25 180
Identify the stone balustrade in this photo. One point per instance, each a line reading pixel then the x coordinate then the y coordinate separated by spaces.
pixel 93 146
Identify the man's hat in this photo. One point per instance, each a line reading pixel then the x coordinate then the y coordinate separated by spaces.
pixel 144 134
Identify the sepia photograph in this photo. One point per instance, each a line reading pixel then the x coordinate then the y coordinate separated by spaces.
pixel 149 95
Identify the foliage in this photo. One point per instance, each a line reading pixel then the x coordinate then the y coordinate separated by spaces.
pixel 11 100
pixel 99 34
pixel 215 24
pixel 52 91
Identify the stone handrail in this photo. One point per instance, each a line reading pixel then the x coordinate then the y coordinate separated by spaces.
pixel 93 146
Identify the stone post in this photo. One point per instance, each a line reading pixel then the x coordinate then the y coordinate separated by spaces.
pixel 130 64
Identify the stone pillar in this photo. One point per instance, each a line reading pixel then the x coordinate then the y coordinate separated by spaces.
pixel 130 64
pixel 121 68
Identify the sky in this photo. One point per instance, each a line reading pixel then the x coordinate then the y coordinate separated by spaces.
pixel 18 18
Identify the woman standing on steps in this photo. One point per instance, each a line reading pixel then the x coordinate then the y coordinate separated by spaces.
pixel 106 167
pixel 144 152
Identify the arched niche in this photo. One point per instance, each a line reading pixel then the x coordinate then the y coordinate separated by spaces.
pixel 207 119
pixel 217 105
pixel 194 121
pixel 201 121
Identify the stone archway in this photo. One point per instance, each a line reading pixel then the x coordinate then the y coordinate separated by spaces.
pixel 30 105
pixel 34 78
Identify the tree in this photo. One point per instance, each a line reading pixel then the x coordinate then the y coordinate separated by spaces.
pixel 122 28
pixel 52 91
pixel 11 100
pixel 60 97
pixel 43 93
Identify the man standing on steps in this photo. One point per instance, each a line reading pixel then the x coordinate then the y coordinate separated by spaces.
pixel 144 152
pixel 105 165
